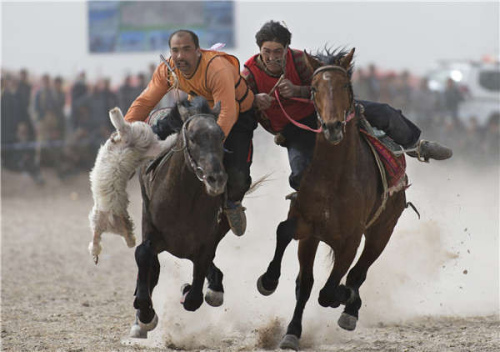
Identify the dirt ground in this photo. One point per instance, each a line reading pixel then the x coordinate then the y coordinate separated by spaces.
pixel 53 297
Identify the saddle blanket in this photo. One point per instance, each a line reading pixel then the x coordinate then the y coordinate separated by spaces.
pixel 395 166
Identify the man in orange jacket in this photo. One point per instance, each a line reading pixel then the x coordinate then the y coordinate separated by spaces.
pixel 215 76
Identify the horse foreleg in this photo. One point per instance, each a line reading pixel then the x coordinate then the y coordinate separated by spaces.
pixel 304 283
pixel 215 291
pixel 147 278
pixel 267 283
pixel 332 295
pixel 376 239
pixel 193 294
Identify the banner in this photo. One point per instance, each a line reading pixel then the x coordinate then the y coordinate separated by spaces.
pixel 139 26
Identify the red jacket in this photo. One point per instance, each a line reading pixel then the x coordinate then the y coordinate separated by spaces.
pixel 297 71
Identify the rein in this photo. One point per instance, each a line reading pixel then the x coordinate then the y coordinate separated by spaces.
pixel 197 170
pixel 298 124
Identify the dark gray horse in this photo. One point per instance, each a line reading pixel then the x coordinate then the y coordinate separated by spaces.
pixel 183 193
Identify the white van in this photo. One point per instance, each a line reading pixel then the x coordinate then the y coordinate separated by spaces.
pixel 479 81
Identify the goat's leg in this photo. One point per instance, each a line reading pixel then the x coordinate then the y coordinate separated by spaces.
pixel 267 283
pixel 147 278
pixel 95 247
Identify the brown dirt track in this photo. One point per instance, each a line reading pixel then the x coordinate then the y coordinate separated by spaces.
pixel 55 299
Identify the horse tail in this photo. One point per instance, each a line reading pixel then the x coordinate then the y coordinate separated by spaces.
pixel 255 185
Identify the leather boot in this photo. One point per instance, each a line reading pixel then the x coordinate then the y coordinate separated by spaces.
pixel 425 150
pixel 236 217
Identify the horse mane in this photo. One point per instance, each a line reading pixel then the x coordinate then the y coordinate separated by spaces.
pixel 329 56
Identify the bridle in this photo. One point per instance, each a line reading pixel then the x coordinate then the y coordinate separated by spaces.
pixel 197 170
pixel 348 114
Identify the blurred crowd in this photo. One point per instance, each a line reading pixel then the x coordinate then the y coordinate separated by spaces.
pixel 50 122
pixel 437 113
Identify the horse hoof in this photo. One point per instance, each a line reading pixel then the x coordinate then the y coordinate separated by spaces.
pixel 265 291
pixel 214 298
pixel 140 330
pixel 137 333
pixel 347 322
pixel 290 342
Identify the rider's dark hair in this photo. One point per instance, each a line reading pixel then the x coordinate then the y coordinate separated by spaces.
pixel 193 35
pixel 273 31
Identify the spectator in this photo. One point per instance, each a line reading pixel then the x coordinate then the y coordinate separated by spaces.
pixel 141 84
pixel 403 92
pixel 425 104
pixel 452 98
pixel 126 94
pixel 110 101
pixel 491 138
pixel 24 92
pixel 60 100
pixel 49 132
pixel 18 153
pixel 78 91
pixel 11 110
pixel 373 84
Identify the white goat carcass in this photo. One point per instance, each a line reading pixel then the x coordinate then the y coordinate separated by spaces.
pixel 116 161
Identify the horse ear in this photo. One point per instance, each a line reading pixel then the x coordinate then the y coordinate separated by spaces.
pixel 216 109
pixel 183 111
pixel 312 61
pixel 345 62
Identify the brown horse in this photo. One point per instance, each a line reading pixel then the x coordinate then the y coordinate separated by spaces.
pixel 181 215
pixel 340 196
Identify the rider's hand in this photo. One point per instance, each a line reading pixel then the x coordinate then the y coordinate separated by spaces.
pixel 263 101
pixel 288 89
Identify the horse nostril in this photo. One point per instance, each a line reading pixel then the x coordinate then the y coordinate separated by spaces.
pixel 211 179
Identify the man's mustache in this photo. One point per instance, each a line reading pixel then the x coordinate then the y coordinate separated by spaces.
pixel 181 62
pixel 274 61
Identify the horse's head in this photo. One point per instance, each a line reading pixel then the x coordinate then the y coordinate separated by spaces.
pixel 332 94
pixel 203 140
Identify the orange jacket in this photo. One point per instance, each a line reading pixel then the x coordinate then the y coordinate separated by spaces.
pixel 217 78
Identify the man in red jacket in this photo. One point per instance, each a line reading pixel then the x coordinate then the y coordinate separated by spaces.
pixel 279 67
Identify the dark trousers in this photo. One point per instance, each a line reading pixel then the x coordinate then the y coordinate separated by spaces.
pixel 238 155
pixel 300 143
pixel 392 122
pixel 300 146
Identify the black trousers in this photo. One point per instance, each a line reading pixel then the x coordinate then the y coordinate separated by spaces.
pixel 300 143
pixel 300 147
pixel 238 155
pixel 392 122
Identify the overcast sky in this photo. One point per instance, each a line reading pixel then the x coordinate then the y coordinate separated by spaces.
pixel 52 36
